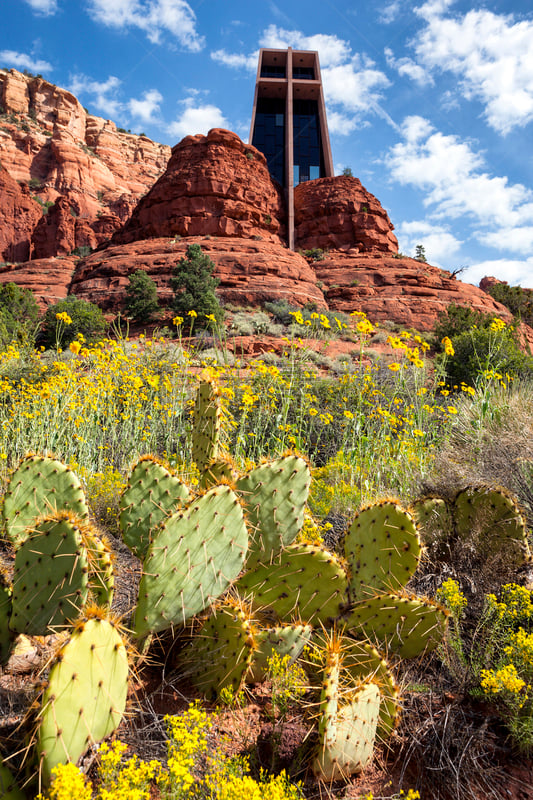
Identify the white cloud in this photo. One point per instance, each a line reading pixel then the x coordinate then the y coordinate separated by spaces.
pixel 389 13
pixel 102 94
pixel 24 61
pixel 516 273
pixel 147 109
pixel 452 176
pixel 490 54
pixel 342 124
pixel 236 60
pixel 43 7
pixel 439 244
pixel 154 17
pixel 516 240
pixel 197 119
pixel 408 68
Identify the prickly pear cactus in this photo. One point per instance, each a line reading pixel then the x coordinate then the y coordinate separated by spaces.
pixel 222 654
pixel 285 640
pixel 303 582
pixel 6 635
pixel 364 662
pixel 152 494
pixel 50 581
pixel 40 486
pixel 8 786
pixel 275 495
pixel 493 519
pixel 346 740
pixel 86 693
pixel 347 723
pixel 382 548
pixel 196 554
pixel 407 625
pixel 206 425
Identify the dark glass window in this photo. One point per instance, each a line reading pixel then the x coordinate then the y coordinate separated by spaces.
pixel 307 73
pixel 268 71
pixel 269 134
pixel 307 144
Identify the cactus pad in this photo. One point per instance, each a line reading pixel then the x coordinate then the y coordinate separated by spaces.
pixel 191 561
pixel 347 734
pixel 222 651
pixel 50 581
pixel 152 494
pixel 303 582
pixel 275 495
pixel 8 786
pixel 286 640
pixel 492 517
pixel 40 486
pixel 86 694
pixel 206 425
pixel 364 662
pixel 408 626
pixel 382 548
pixel 6 636
pixel 434 519
pixel 101 573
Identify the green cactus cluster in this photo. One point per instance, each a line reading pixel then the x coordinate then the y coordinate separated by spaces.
pixel 228 567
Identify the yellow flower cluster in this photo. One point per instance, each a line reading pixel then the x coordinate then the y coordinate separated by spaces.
pixel 68 783
pixel 451 596
pixel 505 679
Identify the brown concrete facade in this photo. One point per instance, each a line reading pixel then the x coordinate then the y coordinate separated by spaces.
pixel 288 80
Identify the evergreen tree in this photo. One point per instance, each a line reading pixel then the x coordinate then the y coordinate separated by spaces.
pixel 141 296
pixel 420 253
pixel 19 315
pixel 194 286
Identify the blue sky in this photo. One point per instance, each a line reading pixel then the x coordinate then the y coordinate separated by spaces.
pixel 430 104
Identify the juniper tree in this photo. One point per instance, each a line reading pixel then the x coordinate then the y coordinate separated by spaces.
pixel 194 286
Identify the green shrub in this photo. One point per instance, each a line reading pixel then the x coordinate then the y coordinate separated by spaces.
pixel 519 301
pixel 457 320
pixel 141 297
pixel 19 315
pixel 85 318
pixel 480 350
pixel 194 286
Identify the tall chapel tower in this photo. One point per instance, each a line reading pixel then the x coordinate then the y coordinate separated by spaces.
pixel 289 121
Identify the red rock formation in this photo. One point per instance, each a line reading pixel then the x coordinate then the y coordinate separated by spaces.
pixel 62 230
pixel 339 214
pixel 19 215
pixel 48 278
pixel 400 289
pixel 214 185
pixel 488 282
pixel 48 140
pixel 250 272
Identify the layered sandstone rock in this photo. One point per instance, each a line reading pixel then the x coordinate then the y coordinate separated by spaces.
pixel 19 215
pixel 339 214
pixel 214 185
pixel 49 142
pixel 250 272
pixel 48 278
pixel 403 289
